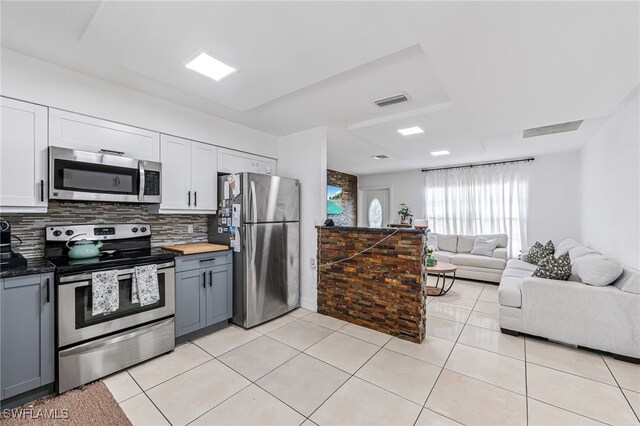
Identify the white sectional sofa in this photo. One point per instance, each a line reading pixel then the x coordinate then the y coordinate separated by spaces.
pixel 456 249
pixel 605 318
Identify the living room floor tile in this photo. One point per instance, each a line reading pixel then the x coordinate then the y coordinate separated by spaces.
pixel 360 403
pixel 303 382
pixel 634 400
pixel 342 351
pixel 300 312
pixel 467 288
pixel 431 418
pixel 582 396
pixel 498 370
pixel 480 319
pixel 448 312
pixel 258 357
pixel 405 376
pixel 366 334
pixel 570 360
pixel 494 341
pixel 444 329
pixel 141 412
pixel 458 301
pixel 470 401
pixel 489 293
pixel 189 395
pixel 324 320
pixel 541 414
pixel 225 340
pixel 432 350
pixel 300 334
pixel 626 373
pixel 122 386
pixel 483 306
pixel 274 324
pixel 251 406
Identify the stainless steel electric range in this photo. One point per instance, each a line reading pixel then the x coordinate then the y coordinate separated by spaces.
pixel 92 346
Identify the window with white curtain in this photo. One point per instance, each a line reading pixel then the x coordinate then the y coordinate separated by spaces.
pixel 489 199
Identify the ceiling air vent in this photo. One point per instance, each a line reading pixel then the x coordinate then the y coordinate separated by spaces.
pixel 554 128
pixel 380 157
pixel 395 99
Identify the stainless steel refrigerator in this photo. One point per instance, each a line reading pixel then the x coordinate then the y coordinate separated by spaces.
pixel 260 218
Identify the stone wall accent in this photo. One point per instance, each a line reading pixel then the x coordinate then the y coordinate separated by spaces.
pixel 165 228
pixel 381 289
pixel 349 185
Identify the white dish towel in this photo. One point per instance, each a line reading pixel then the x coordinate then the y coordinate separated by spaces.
pixel 105 293
pixel 144 285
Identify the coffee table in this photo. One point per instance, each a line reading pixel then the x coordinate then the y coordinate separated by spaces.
pixel 441 270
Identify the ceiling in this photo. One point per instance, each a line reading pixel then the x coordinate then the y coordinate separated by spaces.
pixel 477 73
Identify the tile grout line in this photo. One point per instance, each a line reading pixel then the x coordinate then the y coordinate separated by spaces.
pixel 148 397
pixel 526 380
pixel 621 389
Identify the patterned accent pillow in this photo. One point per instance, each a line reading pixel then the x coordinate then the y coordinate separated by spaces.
pixel 539 252
pixel 554 268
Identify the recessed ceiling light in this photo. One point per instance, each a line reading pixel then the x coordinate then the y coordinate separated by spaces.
pixel 410 131
pixel 437 153
pixel 379 157
pixel 210 66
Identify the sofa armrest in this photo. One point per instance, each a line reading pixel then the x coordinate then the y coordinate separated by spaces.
pixel 500 253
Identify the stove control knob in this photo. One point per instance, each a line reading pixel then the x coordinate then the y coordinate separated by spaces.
pixel 143 229
pixel 69 232
pixel 134 230
pixel 57 233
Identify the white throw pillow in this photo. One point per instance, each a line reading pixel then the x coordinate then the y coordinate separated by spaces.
pixel 597 270
pixel 465 243
pixel 565 246
pixel 484 247
pixel 447 242
pixel 578 251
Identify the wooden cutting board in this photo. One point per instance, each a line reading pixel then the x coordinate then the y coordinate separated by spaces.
pixel 195 248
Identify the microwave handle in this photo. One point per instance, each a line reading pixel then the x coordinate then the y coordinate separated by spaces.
pixel 142 182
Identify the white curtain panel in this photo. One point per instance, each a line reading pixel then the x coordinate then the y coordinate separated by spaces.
pixel 488 199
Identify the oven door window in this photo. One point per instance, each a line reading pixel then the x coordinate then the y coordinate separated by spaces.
pixel 85 318
pixel 89 177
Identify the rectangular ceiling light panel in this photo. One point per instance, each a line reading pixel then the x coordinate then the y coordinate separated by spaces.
pixel 554 128
pixel 210 66
pixel 438 153
pixel 410 131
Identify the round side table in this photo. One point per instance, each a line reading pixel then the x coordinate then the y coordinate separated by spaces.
pixel 441 270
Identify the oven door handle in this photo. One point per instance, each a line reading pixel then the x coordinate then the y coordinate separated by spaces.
pixel 121 273
pixel 97 344
pixel 142 182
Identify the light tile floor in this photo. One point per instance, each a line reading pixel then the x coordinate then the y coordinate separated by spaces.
pixel 308 369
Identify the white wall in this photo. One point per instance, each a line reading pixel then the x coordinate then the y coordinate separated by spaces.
pixel 610 187
pixel 553 196
pixel 303 156
pixel 32 80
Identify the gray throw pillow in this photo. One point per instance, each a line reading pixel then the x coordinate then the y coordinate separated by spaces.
pixel 598 270
pixel 554 268
pixel 539 252
pixel 484 247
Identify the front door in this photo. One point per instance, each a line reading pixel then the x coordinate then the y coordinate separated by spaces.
pixel 376 202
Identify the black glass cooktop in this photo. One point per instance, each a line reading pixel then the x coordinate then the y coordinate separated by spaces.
pixel 107 260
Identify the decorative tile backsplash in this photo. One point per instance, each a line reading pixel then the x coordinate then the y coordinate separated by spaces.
pixel 165 228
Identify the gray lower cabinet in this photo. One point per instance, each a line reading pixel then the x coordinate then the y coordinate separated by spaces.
pixel 203 291
pixel 26 333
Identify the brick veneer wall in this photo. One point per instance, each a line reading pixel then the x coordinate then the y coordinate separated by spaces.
pixel 381 289
pixel 349 185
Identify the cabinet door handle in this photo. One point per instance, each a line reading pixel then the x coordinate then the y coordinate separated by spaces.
pixel 48 290
pixel 210 278
pixel 41 190
pixel 109 151
pixel 195 198
pixel 188 198
pixel 204 280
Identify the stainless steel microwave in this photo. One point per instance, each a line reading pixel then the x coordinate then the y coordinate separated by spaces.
pixel 102 176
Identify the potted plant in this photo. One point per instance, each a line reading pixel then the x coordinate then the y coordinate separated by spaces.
pixel 431 261
pixel 404 213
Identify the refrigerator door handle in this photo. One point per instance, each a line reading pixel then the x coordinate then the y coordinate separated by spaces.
pixel 252 202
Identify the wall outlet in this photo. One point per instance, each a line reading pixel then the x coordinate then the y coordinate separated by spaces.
pixel 189 229
pixel 312 262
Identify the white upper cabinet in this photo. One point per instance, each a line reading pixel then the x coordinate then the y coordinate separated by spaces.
pixel 189 176
pixel 76 131
pixel 230 161
pixel 23 157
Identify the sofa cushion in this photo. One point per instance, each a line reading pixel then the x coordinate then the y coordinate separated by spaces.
pixel 446 242
pixel 578 251
pixel 596 269
pixel 443 256
pixel 484 247
pixel 629 281
pixel 503 239
pixel 462 259
pixel 513 272
pixel 554 268
pixel 521 264
pixel 510 292
pixel 465 243
pixel 566 245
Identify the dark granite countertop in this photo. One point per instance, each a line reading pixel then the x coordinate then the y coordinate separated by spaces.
pixel 381 230
pixel 34 266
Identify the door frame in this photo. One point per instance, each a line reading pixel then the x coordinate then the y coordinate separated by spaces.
pixel 362 208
